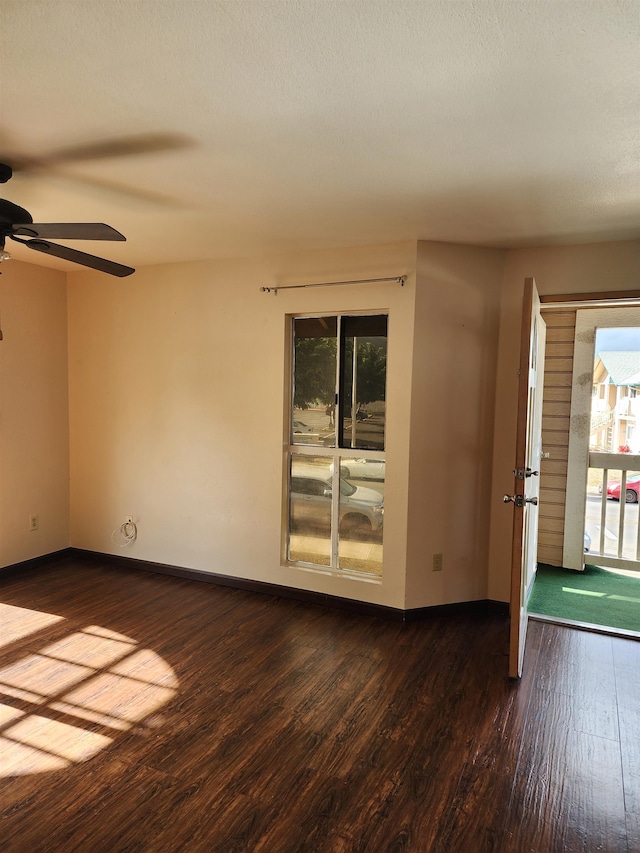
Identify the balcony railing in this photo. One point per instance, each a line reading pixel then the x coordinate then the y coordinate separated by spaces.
pixel 601 419
pixel 617 540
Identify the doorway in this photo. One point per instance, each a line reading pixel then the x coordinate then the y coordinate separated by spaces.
pixel 570 502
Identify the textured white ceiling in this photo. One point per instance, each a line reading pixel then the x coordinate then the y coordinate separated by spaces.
pixel 317 123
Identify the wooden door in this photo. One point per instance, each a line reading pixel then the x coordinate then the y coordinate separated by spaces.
pixel 526 471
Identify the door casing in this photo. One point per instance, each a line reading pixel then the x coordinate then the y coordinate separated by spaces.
pixel 588 321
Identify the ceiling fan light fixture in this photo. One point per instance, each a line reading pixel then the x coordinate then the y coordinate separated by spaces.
pixel 4 255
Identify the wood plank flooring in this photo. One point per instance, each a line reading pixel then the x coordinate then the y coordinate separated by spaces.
pixel 140 712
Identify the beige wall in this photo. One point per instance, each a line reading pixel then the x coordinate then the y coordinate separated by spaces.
pixel 177 400
pixel 561 269
pixel 34 441
pixel 454 364
pixel 177 388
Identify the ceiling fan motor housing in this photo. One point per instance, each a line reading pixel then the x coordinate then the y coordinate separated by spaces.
pixel 11 213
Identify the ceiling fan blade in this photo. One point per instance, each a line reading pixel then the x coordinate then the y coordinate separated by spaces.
pixel 60 162
pixel 77 257
pixel 69 231
pixel 126 146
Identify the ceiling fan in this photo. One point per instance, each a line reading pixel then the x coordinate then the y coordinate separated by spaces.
pixel 17 224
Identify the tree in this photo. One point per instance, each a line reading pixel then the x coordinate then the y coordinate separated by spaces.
pixel 315 371
pixel 372 372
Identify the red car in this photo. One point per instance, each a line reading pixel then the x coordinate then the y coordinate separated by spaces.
pixel 631 494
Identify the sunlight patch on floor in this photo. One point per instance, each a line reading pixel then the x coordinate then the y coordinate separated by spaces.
pixel 64 703
pixel 584 592
pixel 18 622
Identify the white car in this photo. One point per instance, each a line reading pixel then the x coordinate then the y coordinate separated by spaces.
pixel 304 434
pixel 301 427
pixel 363 469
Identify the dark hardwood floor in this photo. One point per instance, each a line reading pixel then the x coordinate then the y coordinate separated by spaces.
pixel 141 712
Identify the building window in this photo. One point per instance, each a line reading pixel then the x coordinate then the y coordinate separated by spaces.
pixel 336 454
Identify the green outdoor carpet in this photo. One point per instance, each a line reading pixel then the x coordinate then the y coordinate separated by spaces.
pixel 594 595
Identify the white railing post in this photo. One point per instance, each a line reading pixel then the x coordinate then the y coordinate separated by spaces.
pixel 623 462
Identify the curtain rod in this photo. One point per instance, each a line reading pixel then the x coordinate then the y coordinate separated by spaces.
pixel 399 279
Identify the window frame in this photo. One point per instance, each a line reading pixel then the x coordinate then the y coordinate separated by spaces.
pixel 333 453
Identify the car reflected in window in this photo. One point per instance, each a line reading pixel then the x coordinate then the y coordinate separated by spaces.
pixel 361 509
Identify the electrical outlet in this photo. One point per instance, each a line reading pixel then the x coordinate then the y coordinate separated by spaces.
pixel 33 522
pixel 129 519
pixel 437 562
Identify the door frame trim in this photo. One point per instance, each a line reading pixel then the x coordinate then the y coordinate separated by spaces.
pixel 587 323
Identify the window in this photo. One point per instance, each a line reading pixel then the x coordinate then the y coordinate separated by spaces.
pixel 338 394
